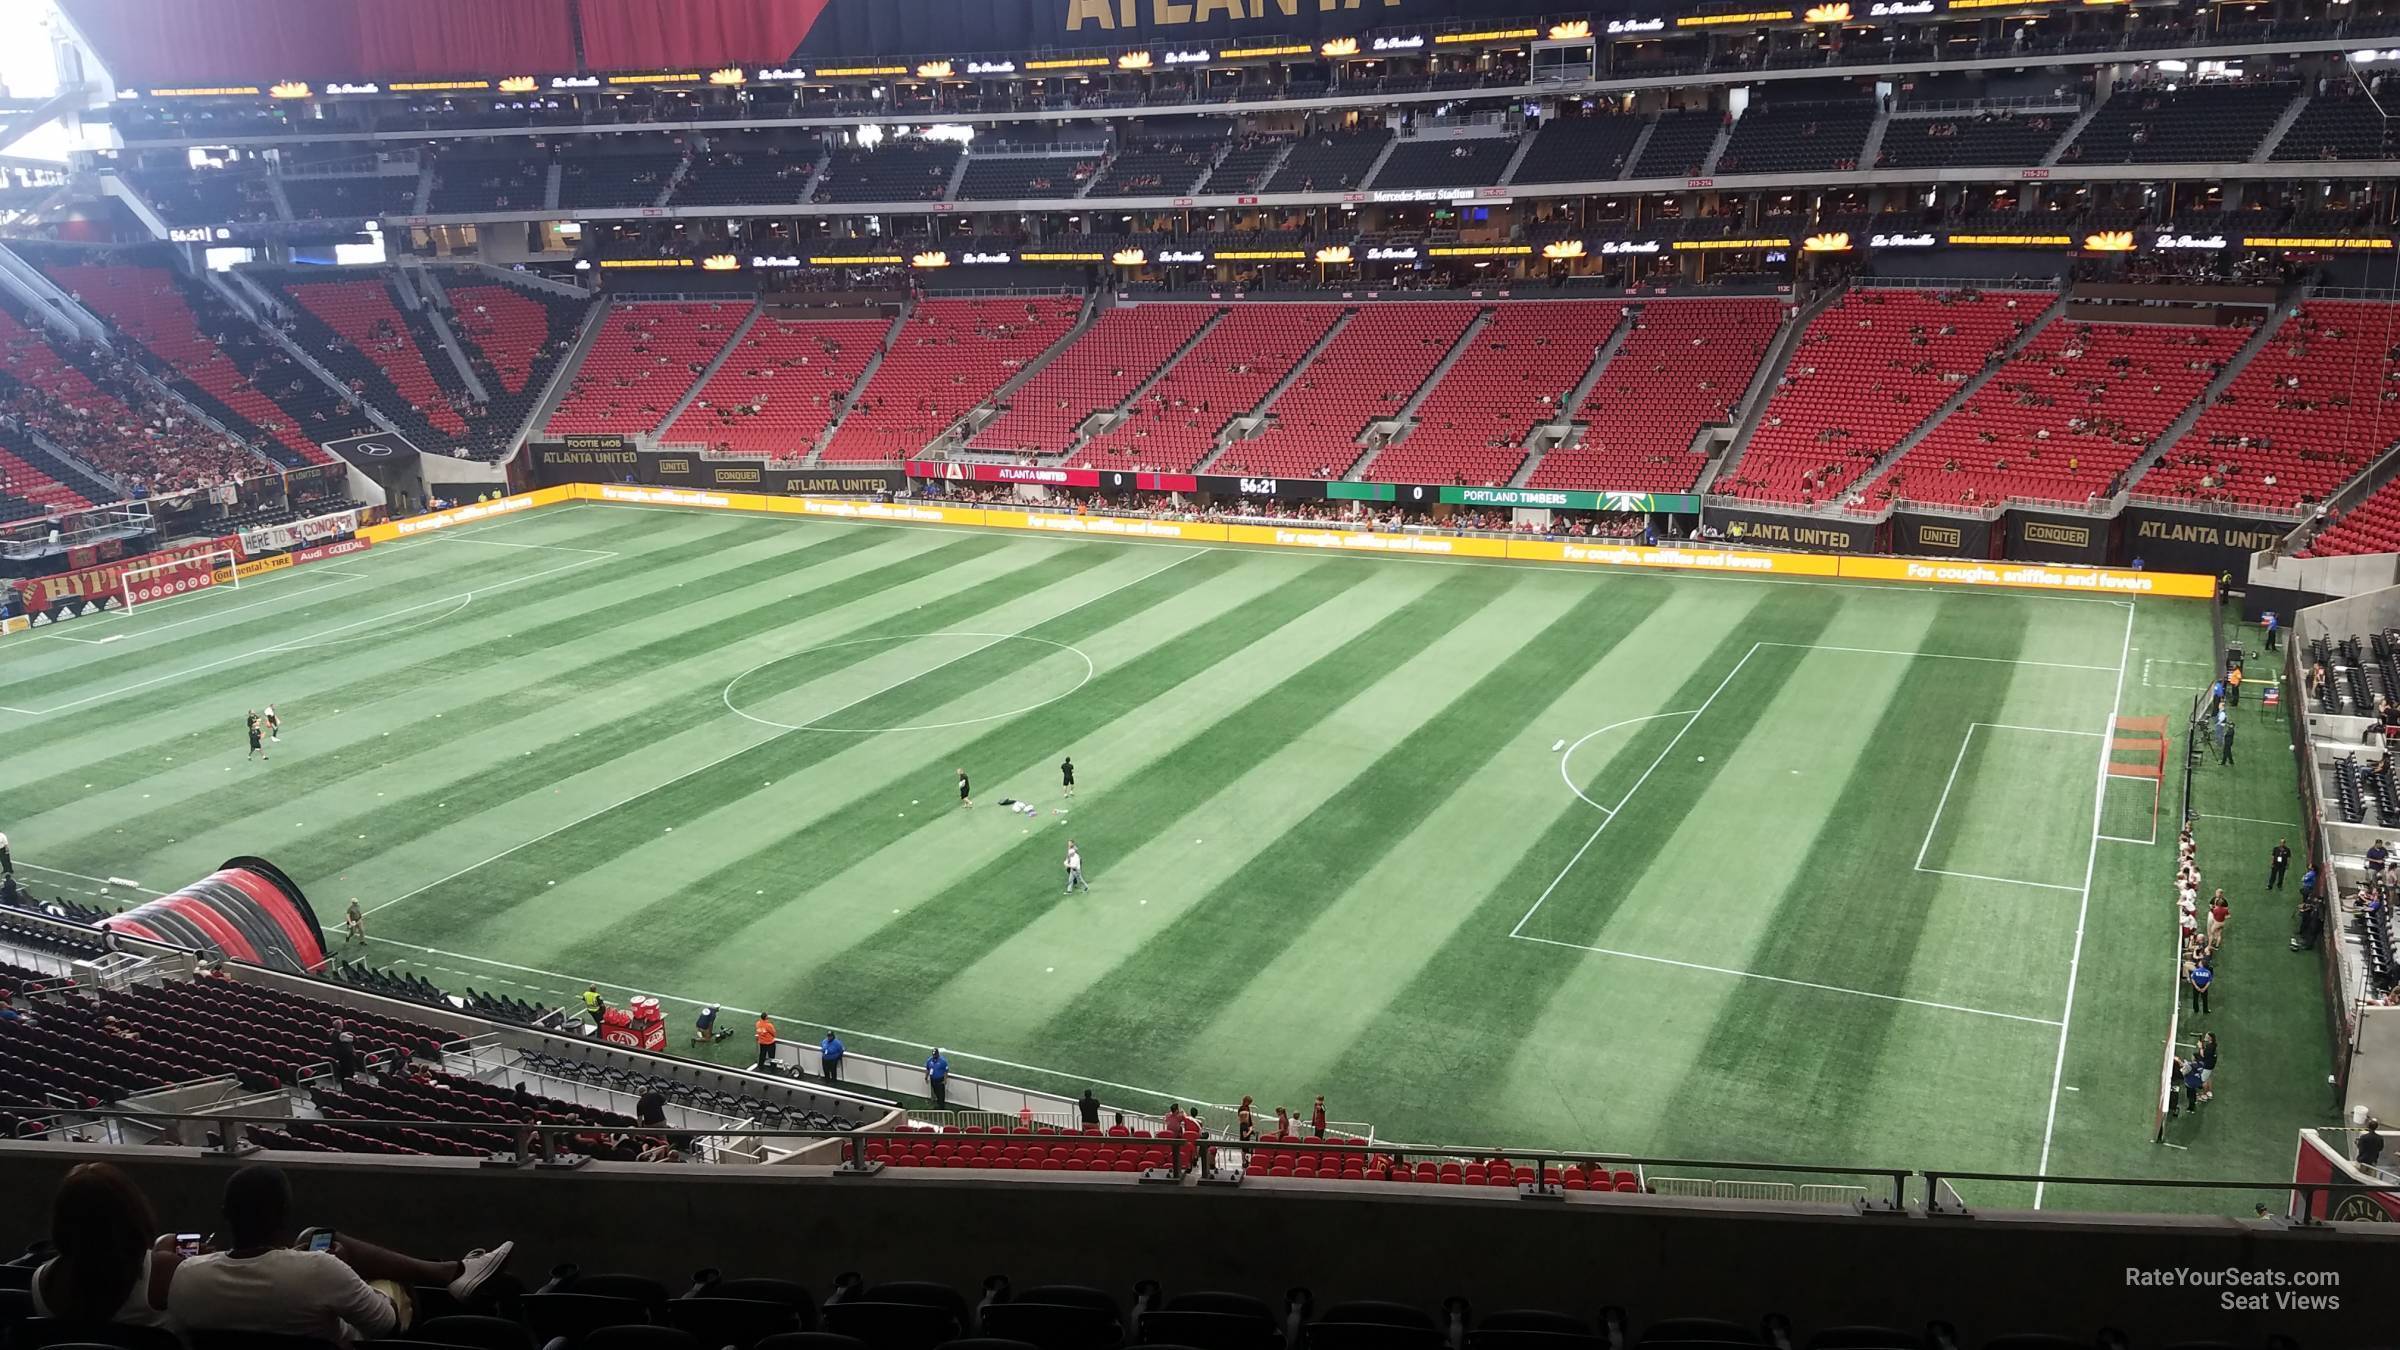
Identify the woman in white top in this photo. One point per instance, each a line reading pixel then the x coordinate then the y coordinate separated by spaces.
pixel 111 1265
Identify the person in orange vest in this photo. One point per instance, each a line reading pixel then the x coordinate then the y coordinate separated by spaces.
pixel 766 1041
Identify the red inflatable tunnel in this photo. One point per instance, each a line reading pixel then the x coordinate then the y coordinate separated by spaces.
pixel 247 910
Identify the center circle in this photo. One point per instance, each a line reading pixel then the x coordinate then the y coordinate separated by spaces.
pixel 967 644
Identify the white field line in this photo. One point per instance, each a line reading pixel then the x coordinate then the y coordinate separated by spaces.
pixel 1778 979
pixel 295 643
pixel 1942 656
pixel 2083 909
pixel 1934 825
pixel 1185 557
pixel 1544 897
pixel 104 881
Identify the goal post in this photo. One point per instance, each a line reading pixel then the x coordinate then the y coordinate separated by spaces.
pixel 147 585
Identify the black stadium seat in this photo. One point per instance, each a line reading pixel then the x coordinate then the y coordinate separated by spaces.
pixel 1374 1325
pixel 1057 1317
pixel 739 1322
pixel 54 1333
pixel 1534 1329
pixel 812 1340
pixel 576 1315
pixel 639 1338
pixel 474 1332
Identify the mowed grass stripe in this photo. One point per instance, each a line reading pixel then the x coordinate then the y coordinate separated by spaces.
pixel 440 788
pixel 403 587
pixel 1853 912
pixel 778 948
pixel 371 754
pixel 1424 885
pixel 875 979
pixel 1152 1005
pixel 231 677
pixel 1478 993
pixel 373 680
pixel 715 872
pixel 592 843
pixel 790 868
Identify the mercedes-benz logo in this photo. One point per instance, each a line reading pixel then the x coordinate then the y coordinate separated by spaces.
pixel 375 450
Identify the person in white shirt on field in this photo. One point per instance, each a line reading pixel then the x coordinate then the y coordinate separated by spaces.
pixel 1075 880
pixel 269 1282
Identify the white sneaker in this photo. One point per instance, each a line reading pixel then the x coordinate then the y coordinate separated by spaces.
pixel 480 1265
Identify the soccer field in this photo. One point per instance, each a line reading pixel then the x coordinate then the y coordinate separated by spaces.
pixel 1809 881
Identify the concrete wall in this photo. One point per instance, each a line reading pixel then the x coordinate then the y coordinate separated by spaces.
pixel 1821 1266
pixel 2354 574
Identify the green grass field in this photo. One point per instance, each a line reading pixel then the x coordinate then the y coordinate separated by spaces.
pixel 1805 886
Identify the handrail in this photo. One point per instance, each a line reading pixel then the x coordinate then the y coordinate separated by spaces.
pixel 537 1144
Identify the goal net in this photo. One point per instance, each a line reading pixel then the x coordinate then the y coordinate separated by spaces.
pixel 164 581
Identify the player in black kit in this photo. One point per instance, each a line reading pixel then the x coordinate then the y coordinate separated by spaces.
pixel 256 751
pixel 1066 774
pixel 963 798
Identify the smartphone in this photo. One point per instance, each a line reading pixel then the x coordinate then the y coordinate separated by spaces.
pixel 321 1240
pixel 187 1244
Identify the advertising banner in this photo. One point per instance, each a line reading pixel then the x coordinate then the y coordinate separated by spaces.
pixel 1773 529
pixel 2030 576
pixel 376 452
pixel 293 533
pixel 1730 561
pixel 257 567
pixel 1687 559
pixel 1105 527
pixel 2193 541
pixel 577 459
pixel 1043 475
pixel 1419 545
pixel 40 593
pixel 1548 499
pixel 2317 1161
pixel 2037 537
pixel 320 552
pixel 1941 536
pixel 470 514
pixel 686 469
pixel 1231 29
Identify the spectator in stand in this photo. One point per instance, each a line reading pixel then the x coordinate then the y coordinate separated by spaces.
pixel 1087 1109
pixel 1316 1118
pixel 2369 1148
pixel 265 1283
pixel 111 1266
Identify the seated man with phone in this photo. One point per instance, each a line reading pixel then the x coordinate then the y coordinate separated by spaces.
pixel 312 1283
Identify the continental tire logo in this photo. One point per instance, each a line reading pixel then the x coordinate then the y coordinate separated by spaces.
pixel 1938 536
pixel 2070 536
